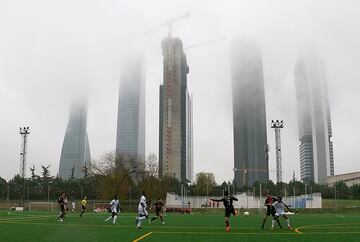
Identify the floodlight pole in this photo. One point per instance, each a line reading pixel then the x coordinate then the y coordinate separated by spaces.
pixel 24 132
pixel 277 126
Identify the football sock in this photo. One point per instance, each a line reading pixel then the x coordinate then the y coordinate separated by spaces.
pixel 114 219
pixel 263 223
pixel 288 222
pixel 140 219
pixel 153 218
pixel 227 223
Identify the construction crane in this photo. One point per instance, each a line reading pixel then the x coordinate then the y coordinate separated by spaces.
pixel 205 43
pixel 169 24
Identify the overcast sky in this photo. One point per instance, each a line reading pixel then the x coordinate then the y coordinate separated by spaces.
pixel 51 50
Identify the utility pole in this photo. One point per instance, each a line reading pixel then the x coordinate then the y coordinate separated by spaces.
pixel 207 195
pixel 335 203
pixel 8 193
pixel 130 197
pixel 260 195
pixel 277 126
pixel 24 132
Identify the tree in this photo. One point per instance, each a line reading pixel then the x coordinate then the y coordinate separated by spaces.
pixel 342 190
pixel 3 189
pixel 150 181
pixel 116 172
pixel 72 176
pixel 204 184
pixel 355 191
pixel 32 170
pixel 45 173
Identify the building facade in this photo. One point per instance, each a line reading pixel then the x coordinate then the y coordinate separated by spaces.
pixel 314 122
pixel 130 137
pixel 75 152
pixel 249 115
pixel 349 179
pixel 175 115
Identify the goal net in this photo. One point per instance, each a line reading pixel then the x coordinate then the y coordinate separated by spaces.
pixel 41 206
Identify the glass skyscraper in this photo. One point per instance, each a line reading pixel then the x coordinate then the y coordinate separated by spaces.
pixel 130 137
pixel 249 115
pixel 75 152
pixel 314 123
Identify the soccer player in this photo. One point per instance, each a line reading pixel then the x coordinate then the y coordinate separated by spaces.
pixel 114 208
pixel 270 210
pixel 158 211
pixel 280 212
pixel 229 208
pixel 61 201
pixel 72 198
pixel 83 206
pixel 143 213
pixel 66 203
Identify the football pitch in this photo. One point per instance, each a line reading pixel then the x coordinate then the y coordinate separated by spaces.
pixel 40 226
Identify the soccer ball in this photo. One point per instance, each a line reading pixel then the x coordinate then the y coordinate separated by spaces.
pixel 246 214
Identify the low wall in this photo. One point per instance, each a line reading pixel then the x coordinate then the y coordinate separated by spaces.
pixel 244 201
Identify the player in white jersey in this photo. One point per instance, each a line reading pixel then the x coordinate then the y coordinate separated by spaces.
pixel 142 210
pixel 114 209
pixel 279 207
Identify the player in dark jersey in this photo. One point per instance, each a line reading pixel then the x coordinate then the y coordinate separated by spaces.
pixel 62 204
pixel 158 211
pixel 270 210
pixel 229 208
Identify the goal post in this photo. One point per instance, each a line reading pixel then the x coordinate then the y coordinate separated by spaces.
pixel 41 206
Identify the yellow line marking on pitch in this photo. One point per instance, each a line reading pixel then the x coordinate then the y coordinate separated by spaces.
pixel 297 230
pixel 142 237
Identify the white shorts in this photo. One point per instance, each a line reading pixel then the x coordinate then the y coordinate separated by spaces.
pixel 280 214
pixel 142 211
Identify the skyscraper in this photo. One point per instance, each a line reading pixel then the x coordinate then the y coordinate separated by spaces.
pixel 249 116
pixel 175 123
pixel 130 138
pixel 314 123
pixel 75 152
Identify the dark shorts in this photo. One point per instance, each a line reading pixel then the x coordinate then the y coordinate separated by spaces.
pixel 270 210
pixel 113 214
pixel 229 211
pixel 158 212
pixel 83 207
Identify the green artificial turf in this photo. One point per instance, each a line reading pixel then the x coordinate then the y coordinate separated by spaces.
pixel 41 226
